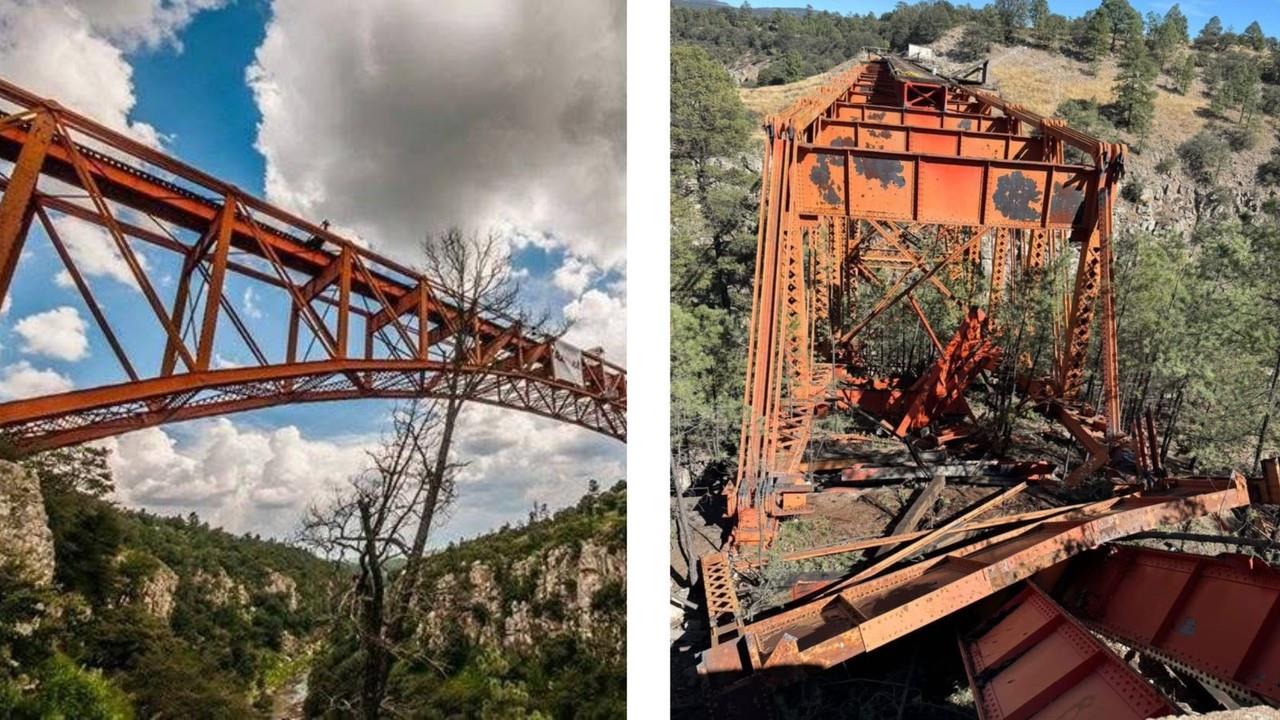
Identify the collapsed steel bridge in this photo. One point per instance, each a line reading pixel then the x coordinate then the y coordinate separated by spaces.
pixel 895 192
pixel 358 324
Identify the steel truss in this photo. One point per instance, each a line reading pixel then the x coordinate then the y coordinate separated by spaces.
pixel 360 325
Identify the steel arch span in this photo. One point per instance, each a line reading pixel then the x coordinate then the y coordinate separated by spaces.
pixel 357 325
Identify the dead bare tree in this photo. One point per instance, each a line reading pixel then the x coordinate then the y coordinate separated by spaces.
pixel 388 513
pixel 472 274
pixel 373 520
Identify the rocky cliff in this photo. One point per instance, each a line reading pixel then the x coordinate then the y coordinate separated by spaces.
pixel 558 590
pixel 25 539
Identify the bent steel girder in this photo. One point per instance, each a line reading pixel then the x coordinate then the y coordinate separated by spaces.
pixel 857 179
pixel 359 325
pixel 1217 618
pixel 860 614
pixel 1032 659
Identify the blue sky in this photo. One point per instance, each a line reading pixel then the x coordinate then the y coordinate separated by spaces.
pixel 254 87
pixel 1237 15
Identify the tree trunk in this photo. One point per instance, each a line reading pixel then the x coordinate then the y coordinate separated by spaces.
pixel 408 580
pixel 371 588
pixel 1266 416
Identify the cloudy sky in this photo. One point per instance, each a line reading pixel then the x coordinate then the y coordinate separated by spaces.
pixel 391 119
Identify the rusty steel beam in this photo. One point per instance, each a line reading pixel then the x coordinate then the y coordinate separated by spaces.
pixel 940 189
pixel 848 619
pixel 206 222
pixel 1217 618
pixel 1032 660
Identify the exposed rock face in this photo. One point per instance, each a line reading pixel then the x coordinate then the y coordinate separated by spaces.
pixel 221 589
pixel 550 593
pixel 155 595
pixel 25 539
pixel 280 584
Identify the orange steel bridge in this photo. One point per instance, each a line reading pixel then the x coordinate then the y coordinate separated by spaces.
pixel 895 192
pixel 360 325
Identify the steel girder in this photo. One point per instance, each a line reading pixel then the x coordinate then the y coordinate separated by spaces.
pixel 1217 618
pixel 1032 659
pixel 413 331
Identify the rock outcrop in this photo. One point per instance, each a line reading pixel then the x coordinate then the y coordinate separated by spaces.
pixel 155 594
pixel 220 588
pixel 563 589
pixel 25 539
pixel 280 584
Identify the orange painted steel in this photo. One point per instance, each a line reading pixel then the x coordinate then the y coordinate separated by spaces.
pixel 1033 660
pixel 846 619
pixel 406 330
pixel 1217 618
pixel 859 180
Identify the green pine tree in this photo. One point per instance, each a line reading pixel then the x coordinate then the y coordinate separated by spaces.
pixel 1253 37
pixel 1185 73
pixel 1135 90
pixel 1097 35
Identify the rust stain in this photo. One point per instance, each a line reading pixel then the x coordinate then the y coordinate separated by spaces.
pixel 886 170
pixel 820 174
pixel 1017 197
pixel 1067 202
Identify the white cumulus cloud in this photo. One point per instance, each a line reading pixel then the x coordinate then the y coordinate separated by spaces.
pixel 58 333
pixel 21 380
pixel 398 117
pixel 253 480
pixel 599 320
pixel 94 252
pixel 243 479
pixel 574 275
pixel 54 49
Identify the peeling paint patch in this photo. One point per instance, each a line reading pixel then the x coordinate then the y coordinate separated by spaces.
pixel 875 116
pixel 885 170
pixel 843 141
pixel 1017 197
pixel 820 175
pixel 884 134
pixel 1067 203
pixel 966 124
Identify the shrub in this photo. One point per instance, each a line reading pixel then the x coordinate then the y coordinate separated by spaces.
pixel 1241 139
pixel 786 69
pixel 1132 190
pixel 63 689
pixel 1204 155
pixel 1268 173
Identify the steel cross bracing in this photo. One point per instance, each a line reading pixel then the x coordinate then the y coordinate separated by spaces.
pixel 887 183
pixel 360 325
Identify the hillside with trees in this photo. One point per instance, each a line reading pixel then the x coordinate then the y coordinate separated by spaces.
pixel 527 621
pixel 108 613
pixel 134 615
